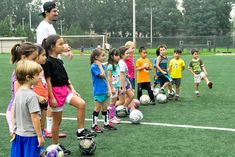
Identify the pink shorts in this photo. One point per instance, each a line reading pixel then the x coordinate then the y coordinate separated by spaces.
pixel 62 94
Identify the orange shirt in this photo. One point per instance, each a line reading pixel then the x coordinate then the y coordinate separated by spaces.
pixel 143 75
pixel 41 88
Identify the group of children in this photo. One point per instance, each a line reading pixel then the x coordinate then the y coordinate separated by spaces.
pixel 40 79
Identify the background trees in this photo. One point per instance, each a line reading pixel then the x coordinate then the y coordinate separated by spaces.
pixel 199 18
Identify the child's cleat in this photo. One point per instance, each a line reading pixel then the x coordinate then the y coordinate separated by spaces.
pixel 97 129
pixel 85 134
pixel 197 94
pixel 152 103
pixel 110 126
pixel 43 153
pixel 210 84
pixel 170 96
pixel 66 151
pixel 177 98
pixel 162 91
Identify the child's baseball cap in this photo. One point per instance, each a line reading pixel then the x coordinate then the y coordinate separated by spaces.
pixel 47 6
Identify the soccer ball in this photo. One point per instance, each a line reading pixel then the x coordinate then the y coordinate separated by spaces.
pixel 145 99
pixel 161 98
pixel 172 90
pixel 121 111
pixel 137 103
pixel 136 116
pixel 155 91
pixel 87 146
pixel 54 151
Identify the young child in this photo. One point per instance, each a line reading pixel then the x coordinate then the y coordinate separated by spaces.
pixel 19 52
pixel 161 69
pixel 130 63
pixel 114 83
pixel 176 66
pixel 197 68
pixel 155 78
pixel 61 90
pixel 26 134
pixel 143 67
pixel 126 91
pixel 100 91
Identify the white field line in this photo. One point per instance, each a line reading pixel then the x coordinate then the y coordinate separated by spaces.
pixel 161 124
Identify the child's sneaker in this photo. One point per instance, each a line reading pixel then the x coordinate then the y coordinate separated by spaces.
pixel 197 94
pixel 110 126
pixel 170 96
pixel 97 129
pixel 85 134
pixel 66 151
pixel 115 120
pixel 162 91
pixel 152 102
pixel 210 84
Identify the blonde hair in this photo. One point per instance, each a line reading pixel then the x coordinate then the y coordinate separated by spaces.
pixel 26 68
pixel 129 44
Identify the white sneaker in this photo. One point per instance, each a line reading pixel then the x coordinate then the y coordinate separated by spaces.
pixel 114 120
pixel 118 119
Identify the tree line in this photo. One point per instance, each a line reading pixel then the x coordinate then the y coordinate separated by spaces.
pixel 114 17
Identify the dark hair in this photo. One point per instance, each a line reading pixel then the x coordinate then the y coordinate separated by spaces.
pixel 112 53
pixel 141 49
pixel 49 42
pixel 40 49
pixel 19 50
pixel 122 51
pixel 158 49
pixel 178 50
pixel 96 53
pixel 194 50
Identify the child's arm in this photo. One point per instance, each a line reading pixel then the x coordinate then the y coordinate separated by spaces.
pixel 204 69
pixel 110 82
pixel 191 70
pixel 122 79
pixel 16 86
pixel 158 66
pixel 41 99
pixel 102 72
pixel 72 89
pixel 37 126
pixel 53 102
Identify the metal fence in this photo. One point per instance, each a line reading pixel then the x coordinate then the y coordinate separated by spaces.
pixel 186 42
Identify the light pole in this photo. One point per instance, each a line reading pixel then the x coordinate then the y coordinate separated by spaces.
pixel 233 25
pixel 61 27
pixel 134 23
pixel 29 6
pixel 23 18
pixel 151 27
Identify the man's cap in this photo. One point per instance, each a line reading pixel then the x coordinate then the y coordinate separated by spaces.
pixel 47 6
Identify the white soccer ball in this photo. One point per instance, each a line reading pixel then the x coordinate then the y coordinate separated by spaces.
pixel 87 146
pixel 161 98
pixel 145 99
pixel 156 91
pixel 121 111
pixel 136 116
pixel 54 151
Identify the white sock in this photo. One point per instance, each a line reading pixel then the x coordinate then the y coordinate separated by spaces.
pixel 80 130
pixel 49 124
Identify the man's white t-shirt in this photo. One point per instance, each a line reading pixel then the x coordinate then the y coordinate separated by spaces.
pixel 44 30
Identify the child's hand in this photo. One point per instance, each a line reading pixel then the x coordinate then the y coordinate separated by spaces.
pixel 53 102
pixel 113 91
pixel 69 55
pixel 42 99
pixel 206 73
pixel 40 141
pixel 13 136
pixel 75 92
pixel 164 73
pixel 123 91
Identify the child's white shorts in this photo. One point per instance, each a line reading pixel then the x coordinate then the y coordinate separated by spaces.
pixel 198 77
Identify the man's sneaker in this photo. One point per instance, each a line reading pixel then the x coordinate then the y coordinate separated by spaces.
pixel 177 98
pixel 97 129
pixel 110 126
pixel 85 134
pixel 66 151
pixel 210 84
pixel 152 103
pixel 162 91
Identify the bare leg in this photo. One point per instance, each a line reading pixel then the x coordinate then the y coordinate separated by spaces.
pixel 55 127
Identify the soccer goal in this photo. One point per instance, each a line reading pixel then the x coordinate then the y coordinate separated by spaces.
pixel 85 41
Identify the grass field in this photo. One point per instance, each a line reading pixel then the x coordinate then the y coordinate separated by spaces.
pixel 215 108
